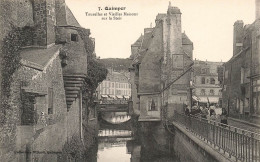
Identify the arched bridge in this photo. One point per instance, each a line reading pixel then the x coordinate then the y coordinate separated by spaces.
pixel 113 106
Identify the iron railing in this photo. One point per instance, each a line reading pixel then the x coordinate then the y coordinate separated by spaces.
pixel 243 145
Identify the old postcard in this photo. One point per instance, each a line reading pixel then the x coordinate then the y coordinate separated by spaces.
pixel 129 80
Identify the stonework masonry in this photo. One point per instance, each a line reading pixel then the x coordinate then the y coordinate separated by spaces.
pixel 241 72
pixel 45 113
pixel 162 60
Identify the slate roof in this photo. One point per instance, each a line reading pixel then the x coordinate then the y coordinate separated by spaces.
pixel 186 40
pixel 40 56
pixel 65 17
pixel 144 47
pixel 139 41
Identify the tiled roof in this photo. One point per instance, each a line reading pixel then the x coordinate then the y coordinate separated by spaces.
pixel 65 17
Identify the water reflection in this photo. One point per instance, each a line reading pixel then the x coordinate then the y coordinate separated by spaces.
pixel 114 133
pixel 116 117
pixel 120 149
pixel 113 150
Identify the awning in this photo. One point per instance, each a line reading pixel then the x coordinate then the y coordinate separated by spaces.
pixel 211 99
pixel 195 98
pixel 119 96
pixel 104 96
pixel 112 96
pixel 127 97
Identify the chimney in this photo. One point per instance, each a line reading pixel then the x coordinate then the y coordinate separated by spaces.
pixel 44 20
pixel 238 36
pixel 148 30
pixel 257 9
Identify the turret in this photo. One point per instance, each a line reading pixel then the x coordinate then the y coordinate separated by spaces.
pixel 174 30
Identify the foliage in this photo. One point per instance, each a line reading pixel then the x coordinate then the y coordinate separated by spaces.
pixel 12 43
pixel 96 71
pixel 118 64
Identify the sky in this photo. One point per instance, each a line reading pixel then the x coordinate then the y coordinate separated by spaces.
pixel 208 23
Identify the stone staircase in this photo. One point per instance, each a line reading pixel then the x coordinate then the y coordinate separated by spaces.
pixel 73 85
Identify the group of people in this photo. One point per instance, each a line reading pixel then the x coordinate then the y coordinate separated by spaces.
pixel 208 113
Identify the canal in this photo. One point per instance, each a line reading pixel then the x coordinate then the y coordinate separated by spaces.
pixel 118 143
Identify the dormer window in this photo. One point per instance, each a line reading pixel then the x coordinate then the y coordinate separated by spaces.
pixel 74 37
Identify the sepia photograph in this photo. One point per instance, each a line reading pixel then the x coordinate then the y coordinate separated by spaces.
pixel 129 81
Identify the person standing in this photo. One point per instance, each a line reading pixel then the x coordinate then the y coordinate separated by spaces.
pixel 204 112
pixel 223 117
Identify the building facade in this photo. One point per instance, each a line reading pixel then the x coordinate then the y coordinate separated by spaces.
pixel 116 86
pixel 162 59
pixel 206 82
pixel 43 105
pixel 241 83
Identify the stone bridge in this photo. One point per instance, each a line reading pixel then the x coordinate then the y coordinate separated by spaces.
pixel 112 106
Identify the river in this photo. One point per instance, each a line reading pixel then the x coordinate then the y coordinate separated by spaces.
pixel 121 145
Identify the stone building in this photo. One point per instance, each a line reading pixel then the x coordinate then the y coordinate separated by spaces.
pixel 116 86
pixel 206 82
pixel 160 73
pixel 241 83
pixel 45 101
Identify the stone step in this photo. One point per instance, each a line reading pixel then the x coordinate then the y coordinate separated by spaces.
pixel 73 85
pixel 73 82
pixel 71 92
pixel 71 96
pixel 71 79
pixel 72 88
pixel 70 99
pixel 74 76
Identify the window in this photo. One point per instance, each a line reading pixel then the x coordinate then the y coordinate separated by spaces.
pixel 74 37
pixel 211 92
pixel 202 92
pixel 220 92
pixel 212 81
pixel 152 105
pixel 50 100
pixel 226 74
pixel 202 80
pixel 112 85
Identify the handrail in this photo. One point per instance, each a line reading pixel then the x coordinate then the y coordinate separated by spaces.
pixel 242 144
pixel 218 123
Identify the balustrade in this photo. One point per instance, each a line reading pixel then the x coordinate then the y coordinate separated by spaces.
pixel 241 144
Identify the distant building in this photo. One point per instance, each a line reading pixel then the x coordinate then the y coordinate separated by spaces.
pixel 116 86
pixel 206 82
pixel 241 83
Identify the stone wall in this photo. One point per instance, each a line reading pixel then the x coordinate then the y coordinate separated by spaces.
pixel 49 127
pixel 76 55
pixel 186 150
pixel 135 99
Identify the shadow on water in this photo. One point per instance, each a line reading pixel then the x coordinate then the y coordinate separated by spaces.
pixel 111 147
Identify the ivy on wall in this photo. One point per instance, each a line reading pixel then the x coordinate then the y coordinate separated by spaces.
pixel 96 71
pixel 12 43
